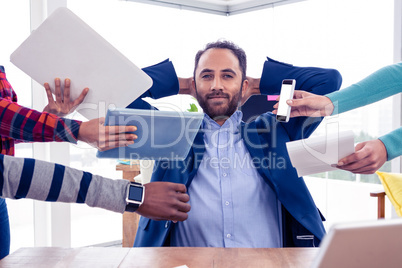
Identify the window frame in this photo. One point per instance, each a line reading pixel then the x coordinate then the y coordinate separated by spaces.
pixel 52 222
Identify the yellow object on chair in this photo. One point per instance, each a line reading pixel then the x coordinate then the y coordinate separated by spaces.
pixel 392 183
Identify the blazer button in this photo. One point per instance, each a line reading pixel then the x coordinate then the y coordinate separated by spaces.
pixel 166 224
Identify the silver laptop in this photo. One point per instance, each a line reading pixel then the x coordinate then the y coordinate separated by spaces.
pixel 362 244
pixel 64 46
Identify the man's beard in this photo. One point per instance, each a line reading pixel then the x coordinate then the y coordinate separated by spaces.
pixel 221 112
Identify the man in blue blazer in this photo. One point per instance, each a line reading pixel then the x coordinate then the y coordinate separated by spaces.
pixel 243 189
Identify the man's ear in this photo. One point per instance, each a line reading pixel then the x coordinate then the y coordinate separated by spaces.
pixel 245 94
pixel 193 88
pixel 244 89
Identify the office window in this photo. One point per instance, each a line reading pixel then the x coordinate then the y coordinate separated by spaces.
pixel 333 34
pixel 336 34
pixel 342 35
pixel 145 34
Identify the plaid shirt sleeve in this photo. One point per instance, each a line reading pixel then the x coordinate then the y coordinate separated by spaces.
pixel 21 123
pixel 30 125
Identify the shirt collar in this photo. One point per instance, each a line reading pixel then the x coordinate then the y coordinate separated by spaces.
pixel 231 124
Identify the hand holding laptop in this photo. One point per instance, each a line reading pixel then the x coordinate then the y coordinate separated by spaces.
pixel 104 138
pixel 63 104
pixel 93 132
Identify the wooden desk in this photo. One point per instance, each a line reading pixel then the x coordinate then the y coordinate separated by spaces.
pixel 130 220
pixel 160 257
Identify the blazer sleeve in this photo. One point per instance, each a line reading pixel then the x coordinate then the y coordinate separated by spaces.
pixel 164 83
pixel 316 80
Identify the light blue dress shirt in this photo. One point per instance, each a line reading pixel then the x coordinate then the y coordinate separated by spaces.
pixel 231 204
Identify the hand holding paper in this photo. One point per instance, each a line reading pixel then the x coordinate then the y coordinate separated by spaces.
pixel 368 157
pixel 321 153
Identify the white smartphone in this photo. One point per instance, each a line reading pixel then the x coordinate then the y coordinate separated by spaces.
pixel 287 90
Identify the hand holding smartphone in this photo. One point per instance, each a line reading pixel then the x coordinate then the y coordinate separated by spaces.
pixel 287 90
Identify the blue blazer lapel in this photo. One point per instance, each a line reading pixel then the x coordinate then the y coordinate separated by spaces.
pixel 304 210
pixel 251 139
pixel 195 156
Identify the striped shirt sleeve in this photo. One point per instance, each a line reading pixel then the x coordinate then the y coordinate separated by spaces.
pixel 40 180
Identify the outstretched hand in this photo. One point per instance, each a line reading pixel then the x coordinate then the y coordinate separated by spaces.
pixel 105 138
pixel 165 201
pixel 308 104
pixel 63 104
pixel 368 157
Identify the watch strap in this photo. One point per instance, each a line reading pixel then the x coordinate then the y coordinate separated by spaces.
pixel 131 207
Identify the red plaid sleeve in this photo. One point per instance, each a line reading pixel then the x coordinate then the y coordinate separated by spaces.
pixel 21 123
pixel 25 124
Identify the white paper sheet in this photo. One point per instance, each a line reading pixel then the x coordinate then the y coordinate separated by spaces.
pixel 64 46
pixel 317 154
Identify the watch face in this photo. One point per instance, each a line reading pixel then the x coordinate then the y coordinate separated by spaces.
pixel 135 193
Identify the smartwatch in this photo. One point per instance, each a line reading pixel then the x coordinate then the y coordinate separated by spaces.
pixel 135 196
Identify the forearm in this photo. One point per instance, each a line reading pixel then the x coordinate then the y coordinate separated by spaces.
pixel 39 180
pixel 381 84
pixel 393 143
pixel 26 124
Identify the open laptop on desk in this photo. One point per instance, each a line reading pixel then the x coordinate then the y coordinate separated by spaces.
pixel 362 244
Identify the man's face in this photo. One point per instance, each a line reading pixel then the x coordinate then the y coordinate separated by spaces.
pixel 218 83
